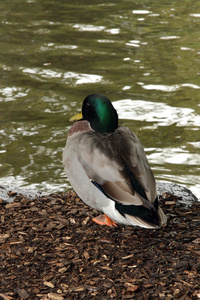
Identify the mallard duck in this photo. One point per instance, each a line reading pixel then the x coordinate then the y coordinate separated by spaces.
pixel 107 167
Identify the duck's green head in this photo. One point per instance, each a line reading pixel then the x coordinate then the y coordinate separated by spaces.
pixel 100 113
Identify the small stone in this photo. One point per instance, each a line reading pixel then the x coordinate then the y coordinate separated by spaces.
pixel 196 241
pixel 13 205
pixel 31 249
pixel 85 220
pixel 49 284
pixel 62 270
pixel 22 293
pixel 92 288
pixel 64 287
pixel 4 236
pixel 86 255
pixel 54 296
pixel 176 292
pixel 161 295
pixel 170 202
pixel 131 287
pixel 72 221
pixel 77 288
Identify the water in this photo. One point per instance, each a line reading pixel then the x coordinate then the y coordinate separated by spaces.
pixel 143 55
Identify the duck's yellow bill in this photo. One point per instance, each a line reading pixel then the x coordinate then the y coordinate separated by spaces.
pixel 76 117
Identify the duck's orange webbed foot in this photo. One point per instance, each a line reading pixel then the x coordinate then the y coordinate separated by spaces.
pixel 104 220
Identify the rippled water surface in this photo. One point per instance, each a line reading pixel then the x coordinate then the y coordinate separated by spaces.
pixel 143 55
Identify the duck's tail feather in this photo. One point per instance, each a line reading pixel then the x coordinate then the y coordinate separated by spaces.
pixel 142 216
pixel 148 215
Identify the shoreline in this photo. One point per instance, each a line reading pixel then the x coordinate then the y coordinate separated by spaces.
pixel 9 193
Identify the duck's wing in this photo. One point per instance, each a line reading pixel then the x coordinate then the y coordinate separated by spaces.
pixel 135 162
pixel 117 163
pixel 142 181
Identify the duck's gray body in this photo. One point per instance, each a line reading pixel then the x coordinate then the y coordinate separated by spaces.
pixel 110 172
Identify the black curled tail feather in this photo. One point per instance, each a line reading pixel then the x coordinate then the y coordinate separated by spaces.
pixel 149 216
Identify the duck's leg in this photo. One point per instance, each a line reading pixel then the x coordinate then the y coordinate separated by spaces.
pixel 104 220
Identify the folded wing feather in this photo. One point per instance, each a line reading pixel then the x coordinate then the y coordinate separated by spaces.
pixel 105 159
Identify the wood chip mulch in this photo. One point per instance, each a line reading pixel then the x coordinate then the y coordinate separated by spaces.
pixel 51 249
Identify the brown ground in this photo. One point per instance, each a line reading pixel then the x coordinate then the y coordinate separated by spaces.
pixel 51 249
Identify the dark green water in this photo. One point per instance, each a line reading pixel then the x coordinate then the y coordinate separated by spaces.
pixel 143 55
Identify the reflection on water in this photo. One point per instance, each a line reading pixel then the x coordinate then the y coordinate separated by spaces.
pixel 167 88
pixel 160 114
pixel 144 56
pixel 71 77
